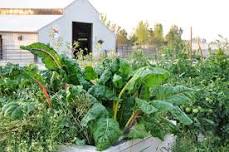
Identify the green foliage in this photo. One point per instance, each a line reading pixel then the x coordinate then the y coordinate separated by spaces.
pixel 142 33
pixel 89 73
pixel 178 95
pixel 105 132
pixel 102 92
pixel 138 131
pixel 97 111
pixel 93 105
pixel 173 38
pixel 146 76
pixel 13 110
pixel 121 37
pixel 73 73
pixel 187 142
pixel 158 125
pixel 48 55
pixel 145 107
pixel 117 81
pixel 156 37
pixel 209 80
pixel 175 46
pixel 174 110
pixel 138 60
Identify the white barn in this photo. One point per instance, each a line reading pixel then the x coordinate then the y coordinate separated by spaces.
pixel 23 22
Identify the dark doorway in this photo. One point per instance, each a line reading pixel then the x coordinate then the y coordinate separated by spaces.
pixel 82 35
pixel 1 48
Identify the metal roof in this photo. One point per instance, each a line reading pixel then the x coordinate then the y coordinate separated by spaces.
pixel 35 3
pixel 25 23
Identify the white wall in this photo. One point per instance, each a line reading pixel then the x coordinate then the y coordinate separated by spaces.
pixel 80 11
pixel 11 47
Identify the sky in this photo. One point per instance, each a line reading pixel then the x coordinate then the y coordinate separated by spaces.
pixel 208 18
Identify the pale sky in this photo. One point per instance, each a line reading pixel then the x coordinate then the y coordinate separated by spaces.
pixel 208 18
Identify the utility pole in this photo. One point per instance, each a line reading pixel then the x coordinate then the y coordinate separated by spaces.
pixel 200 49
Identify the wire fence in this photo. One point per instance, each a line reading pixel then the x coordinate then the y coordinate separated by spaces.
pixel 13 54
pixel 126 51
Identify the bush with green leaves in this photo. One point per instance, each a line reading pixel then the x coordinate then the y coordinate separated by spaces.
pixel 209 78
pixel 99 105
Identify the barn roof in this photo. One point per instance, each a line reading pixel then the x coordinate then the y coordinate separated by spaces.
pixel 35 3
pixel 25 23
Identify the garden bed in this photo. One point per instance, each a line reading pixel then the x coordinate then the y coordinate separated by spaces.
pixel 150 144
pixel 88 105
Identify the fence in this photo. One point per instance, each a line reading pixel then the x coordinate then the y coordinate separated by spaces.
pixel 14 54
pixel 126 51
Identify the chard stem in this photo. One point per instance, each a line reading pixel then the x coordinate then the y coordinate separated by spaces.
pixel 132 118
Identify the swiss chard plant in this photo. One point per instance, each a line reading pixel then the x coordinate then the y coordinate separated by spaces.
pixel 99 105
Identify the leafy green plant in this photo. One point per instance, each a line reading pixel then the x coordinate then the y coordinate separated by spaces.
pixel 209 79
pixel 93 105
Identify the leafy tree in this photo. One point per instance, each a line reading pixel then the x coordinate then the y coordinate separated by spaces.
pixel 151 36
pixel 158 34
pixel 122 38
pixel 105 20
pixel 133 39
pixel 142 33
pixel 121 33
pixel 173 37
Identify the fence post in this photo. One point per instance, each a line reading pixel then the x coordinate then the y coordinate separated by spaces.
pixel 1 48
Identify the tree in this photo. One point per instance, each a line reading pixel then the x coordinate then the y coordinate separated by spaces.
pixel 132 39
pixel 173 38
pixel 151 36
pixel 142 33
pixel 121 34
pixel 105 21
pixel 111 26
pixel 158 34
pixel 121 38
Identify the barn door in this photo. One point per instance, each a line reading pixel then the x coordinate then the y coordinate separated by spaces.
pixel 82 34
pixel 1 48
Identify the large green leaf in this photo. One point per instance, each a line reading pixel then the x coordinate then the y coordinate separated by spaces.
pixel 124 68
pixel 90 73
pixel 101 92
pixel 154 76
pixel 147 76
pixel 174 94
pixel 106 75
pixel 13 110
pixel 174 110
pixel 145 107
pixel 97 111
pixel 117 81
pixel 47 54
pixel 138 131
pixel 178 99
pixel 106 132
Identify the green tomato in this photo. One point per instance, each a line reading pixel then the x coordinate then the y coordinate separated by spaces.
pixel 195 110
pixel 210 110
pixel 188 109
